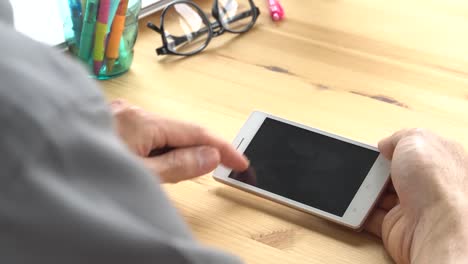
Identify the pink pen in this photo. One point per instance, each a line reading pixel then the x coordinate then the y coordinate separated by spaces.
pixel 276 10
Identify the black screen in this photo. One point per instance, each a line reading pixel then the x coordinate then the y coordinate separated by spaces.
pixel 307 167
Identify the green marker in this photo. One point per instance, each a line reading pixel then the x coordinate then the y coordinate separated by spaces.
pixel 87 32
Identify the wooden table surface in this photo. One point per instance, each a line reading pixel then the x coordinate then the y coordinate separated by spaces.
pixel 359 68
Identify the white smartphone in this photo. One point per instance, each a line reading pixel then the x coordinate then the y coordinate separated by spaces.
pixel 311 170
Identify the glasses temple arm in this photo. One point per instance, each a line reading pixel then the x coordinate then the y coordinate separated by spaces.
pixel 177 40
pixel 153 27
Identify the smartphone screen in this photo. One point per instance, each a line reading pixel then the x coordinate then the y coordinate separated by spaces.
pixel 310 168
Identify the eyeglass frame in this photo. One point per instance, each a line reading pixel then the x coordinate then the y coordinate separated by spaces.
pixel 164 50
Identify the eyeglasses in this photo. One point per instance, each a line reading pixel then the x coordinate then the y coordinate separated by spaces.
pixel 186 30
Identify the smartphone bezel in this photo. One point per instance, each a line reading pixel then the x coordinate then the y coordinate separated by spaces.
pixel 360 206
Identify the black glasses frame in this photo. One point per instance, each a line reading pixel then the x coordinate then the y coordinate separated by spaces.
pixel 214 29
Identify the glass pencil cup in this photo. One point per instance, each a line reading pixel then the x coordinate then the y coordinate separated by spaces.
pixel 101 34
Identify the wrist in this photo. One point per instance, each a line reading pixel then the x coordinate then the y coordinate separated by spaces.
pixel 441 236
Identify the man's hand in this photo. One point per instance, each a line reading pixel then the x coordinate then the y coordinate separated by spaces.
pixel 193 151
pixel 422 219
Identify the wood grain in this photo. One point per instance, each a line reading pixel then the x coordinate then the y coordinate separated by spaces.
pixel 360 68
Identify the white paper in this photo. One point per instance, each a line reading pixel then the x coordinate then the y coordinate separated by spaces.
pixel 39 20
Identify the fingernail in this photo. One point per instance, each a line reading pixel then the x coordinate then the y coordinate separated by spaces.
pixel 208 158
pixel 247 159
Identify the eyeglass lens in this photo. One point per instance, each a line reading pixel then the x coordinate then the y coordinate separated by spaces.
pixel 235 15
pixel 184 22
pixel 187 32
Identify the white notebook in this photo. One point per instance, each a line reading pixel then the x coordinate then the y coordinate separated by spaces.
pixel 30 19
pixel 150 6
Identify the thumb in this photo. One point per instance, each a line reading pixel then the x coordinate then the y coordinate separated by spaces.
pixel 184 163
pixel 387 145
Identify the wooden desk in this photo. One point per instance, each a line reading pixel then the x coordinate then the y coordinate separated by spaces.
pixel 361 69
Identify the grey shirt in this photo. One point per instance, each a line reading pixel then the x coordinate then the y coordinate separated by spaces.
pixel 70 191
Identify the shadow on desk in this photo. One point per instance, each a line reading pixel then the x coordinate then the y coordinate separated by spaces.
pixel 295 217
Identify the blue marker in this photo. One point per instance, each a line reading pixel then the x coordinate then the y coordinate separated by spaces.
pixel 87 32
pixel 76 16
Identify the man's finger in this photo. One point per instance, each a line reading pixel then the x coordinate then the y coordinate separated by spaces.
pixel 389 201
pixel 374 223
pixel 387 145
pixel 180 134
pixel 184 163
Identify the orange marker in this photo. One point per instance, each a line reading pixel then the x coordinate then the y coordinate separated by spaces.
pixel 112 51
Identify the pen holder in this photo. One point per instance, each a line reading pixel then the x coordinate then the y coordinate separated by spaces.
pixel 101 34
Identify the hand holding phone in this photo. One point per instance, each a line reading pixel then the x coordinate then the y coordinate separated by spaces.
pixel 430 178
pixel 308 169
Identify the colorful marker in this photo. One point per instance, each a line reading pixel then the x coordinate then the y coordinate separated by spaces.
pixel 83 4
pixel 113 10
pixel 100 35
pixel 75 10
pixel 87 31
pixel 112 52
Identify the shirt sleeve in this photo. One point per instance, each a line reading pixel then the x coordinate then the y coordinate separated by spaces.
pixel 70 191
